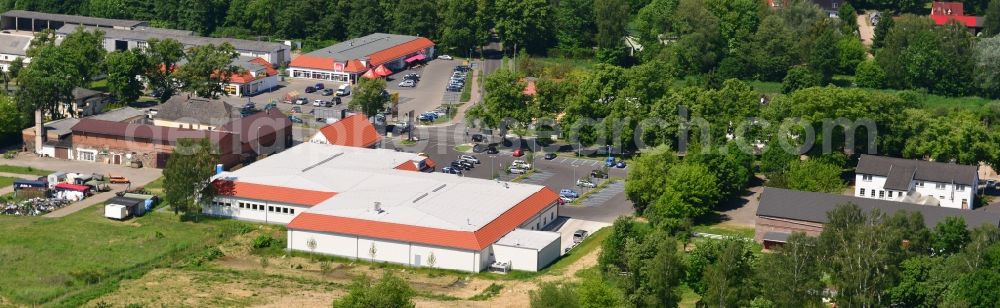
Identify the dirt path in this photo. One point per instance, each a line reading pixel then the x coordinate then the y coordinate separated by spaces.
pixel 865 29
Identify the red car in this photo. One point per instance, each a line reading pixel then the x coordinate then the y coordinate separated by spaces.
pixel 518 153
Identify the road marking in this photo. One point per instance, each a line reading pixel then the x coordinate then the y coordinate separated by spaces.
pixel 593 164
pixel 562 160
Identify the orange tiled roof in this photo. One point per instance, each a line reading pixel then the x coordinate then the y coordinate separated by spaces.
pixel 352 131
pixel 411 166
pixel 399 51
pixel 485 236
pixel 271 193
pixel 355 66
pixel 313 62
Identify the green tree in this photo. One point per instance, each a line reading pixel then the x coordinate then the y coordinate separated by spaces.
pixel 611 19
pixel 416 17
pixel 504 106
pixel 554 295
pixel 612 256
pixel 85 51
pixel 922 282
pixel 850 53
pixel 950 236
pixel 457 29
pixel 738 19
pixel 388 292
pixel 14 120
pixel 861 255
pixel 647 180
pixel 208 68
pixel 772 52
pixel 932 136
pixel 823 58
pixel 525 24
pixel 991 24
pixel 700 46
pixel 814 175
pixel 696 187
pixel 988 65
pixel 662 274
pixel 15 67
pixel 848 20
pixel 185 179
pixel 124 68
pixel 800 78
pixel 728 278
pixel 369 97
pixel 595 292
pixel 881 31
pixel 869 75
pixel 791 276
pixel 574 22
pixel 48 82
pixel 653 22
pixel 968 290
pixel 366 17
pixel 163 56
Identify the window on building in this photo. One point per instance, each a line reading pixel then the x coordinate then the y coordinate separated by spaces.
pixel 291 211
pixel 873 193
pixel 939 185
pixel 861 192
pixel 553 215
pixel 270 208
pixel 866 177
pixel 881 194
pixel 284 210
pixel 243 205
pixel 965 203
pixel 941 197
pixel 960 187
pixel 890 194
pixel 89 156
pixel 920 183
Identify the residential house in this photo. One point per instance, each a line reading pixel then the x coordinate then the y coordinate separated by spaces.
pixel 86 102
pixel 916 181
pixel 782 212
pixel 11 48
pixel 944 12
pixel 192 112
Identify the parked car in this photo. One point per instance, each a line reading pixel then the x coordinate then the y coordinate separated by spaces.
pixel 327 92
pixel 620 164
pixel 301 101
pixel 460 165
pixel 492 150
pixel 411 76
pixel 310 89
pixel 321 120
pixel 344 90
pixel 451 88
pixel 610 162
pixel 518 153
pixel 599 174
pixel 409 83
pixel 445 57
pixel 469 158
pixel 467 164
pixel 521 164
pixel 297 109
pixel 451 170
pixel 550 156
pixel 579 236
pixel 336 100
pixel 569 193
pixel 320 103
pixel 478 138
pixel 295 119
pixel 319 86
pixel 463 68
pixel 515 170
pixel 585 183
pixel 249 106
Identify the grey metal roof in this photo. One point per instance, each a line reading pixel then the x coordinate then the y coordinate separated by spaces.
pixel 145 34
pixel 359 48
pixel 772 236
pixel 812 207
pixel 244 62
pixel 922 170
pixel 163 31
pixel 74 19
pixel 14 44
pixel 197 110
pixel 899 178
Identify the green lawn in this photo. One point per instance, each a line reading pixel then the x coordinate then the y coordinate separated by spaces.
pixel 6 181
pixel 724 230
pixel 66 261
pixel 99 85
pixel 24 170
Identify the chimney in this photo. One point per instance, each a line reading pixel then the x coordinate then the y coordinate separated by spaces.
pixel 377 207
pixel 39 131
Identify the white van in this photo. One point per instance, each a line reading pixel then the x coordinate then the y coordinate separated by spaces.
pixel 344 90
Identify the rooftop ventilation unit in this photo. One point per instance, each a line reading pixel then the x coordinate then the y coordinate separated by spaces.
pixel 377 207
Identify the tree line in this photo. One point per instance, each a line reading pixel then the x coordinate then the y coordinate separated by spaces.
pixel 861 259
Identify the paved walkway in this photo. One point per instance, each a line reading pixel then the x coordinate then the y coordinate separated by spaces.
pixel 865 29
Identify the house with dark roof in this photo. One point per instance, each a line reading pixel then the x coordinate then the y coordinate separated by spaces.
pixel 346 61
pixel 783 211
pixel 945 12
pixel 192 112
pixel 13 47
pixel 916 181
pixel 36 21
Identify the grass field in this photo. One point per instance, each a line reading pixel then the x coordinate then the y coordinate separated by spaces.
pixel 56 261
pixel 6 181
pixel 24 170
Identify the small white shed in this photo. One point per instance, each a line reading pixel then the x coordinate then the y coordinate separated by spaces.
pixel 527 250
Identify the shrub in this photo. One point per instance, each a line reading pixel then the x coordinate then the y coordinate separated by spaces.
pixel 86 276
pixel 263 241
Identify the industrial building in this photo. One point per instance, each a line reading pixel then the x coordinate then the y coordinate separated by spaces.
pixel 348 60
pixel 374 204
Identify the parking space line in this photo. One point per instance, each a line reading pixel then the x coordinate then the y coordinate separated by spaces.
pixel 593 164
pixel 562 160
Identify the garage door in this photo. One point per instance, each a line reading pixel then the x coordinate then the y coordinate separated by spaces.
pixel 118 159
pixel 62 153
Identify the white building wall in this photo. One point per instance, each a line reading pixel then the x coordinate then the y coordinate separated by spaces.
pixel 549 254
pixel 544 219
pixel 520 258
pixel 266 212
pixel 350 246
pixel 947 194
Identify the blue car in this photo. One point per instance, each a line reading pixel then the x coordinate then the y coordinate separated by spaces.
pixel 568 193
pixel 319 86
pixel 610 162
pixel 620 165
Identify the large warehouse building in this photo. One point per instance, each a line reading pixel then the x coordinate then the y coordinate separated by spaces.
pixel 348 60
pixel 372 204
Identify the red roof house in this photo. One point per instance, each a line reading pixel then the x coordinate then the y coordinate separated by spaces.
pixel 944 12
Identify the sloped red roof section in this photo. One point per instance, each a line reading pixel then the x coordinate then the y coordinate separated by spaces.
pixel 485 236
pixel 399 51
pixel 280 194
pixel 313 62
pixel 352 131
pixel 355 66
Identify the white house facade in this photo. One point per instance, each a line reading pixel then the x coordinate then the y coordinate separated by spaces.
pixel 916 181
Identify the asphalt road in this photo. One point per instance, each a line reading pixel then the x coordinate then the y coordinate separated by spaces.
pixel 439 144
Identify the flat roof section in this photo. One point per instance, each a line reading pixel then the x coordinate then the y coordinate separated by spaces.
pixel 144 34
pixel 529 239
pixel 14 44
pixel 73 19
pixel 359 48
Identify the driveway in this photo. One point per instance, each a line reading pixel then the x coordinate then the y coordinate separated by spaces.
pixel 865 29
pixel 566 226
